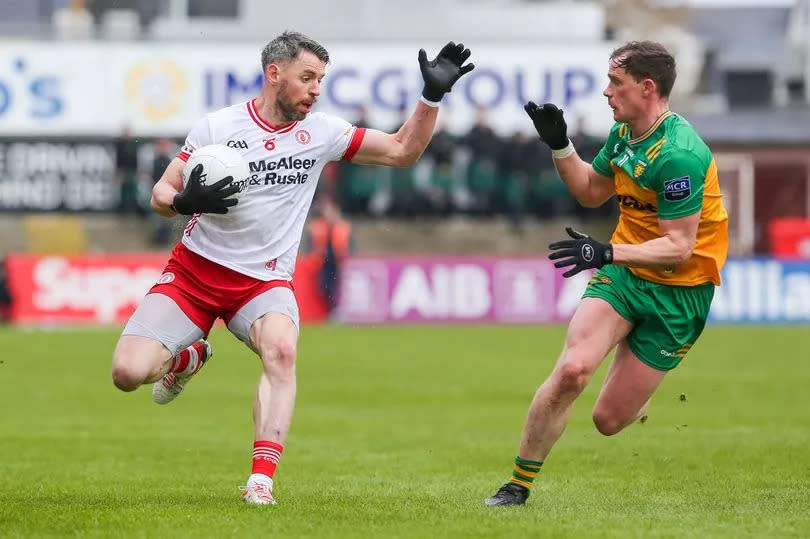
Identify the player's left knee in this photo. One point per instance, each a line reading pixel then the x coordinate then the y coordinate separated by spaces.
pixel 607 423
pixel 279 354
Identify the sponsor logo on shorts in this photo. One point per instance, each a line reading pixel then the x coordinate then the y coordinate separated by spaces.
pixel 271 265
pixel 667 354
pixel 166 278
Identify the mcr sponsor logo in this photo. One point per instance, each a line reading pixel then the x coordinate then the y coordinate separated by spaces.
pixel 303 136
pixel 237 144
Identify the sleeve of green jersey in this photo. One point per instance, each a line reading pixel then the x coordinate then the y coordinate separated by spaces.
pixel 601 163
pixel 679 183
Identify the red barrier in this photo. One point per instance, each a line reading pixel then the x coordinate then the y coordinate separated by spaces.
pixel 790 237
pixel 311 303
pixel 106 288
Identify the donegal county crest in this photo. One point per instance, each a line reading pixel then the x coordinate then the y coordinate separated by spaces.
pixel 638 170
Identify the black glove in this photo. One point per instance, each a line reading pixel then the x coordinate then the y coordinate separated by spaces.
pixel 582 252
pixel 440 74
pixel 550 125
pixel 200 198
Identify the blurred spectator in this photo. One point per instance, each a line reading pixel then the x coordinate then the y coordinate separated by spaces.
pixel 329 238
pixel 358 183
pixel 514 179
pixel 164 153
pixel 479 172
pixel 547 196
pixel 482 181
pixel 405 199
pixel 588 147
pixel 126 163
pixel 5 295
pixel 438 192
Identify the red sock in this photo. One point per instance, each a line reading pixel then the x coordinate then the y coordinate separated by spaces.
pixel 266 455
pixel 188 360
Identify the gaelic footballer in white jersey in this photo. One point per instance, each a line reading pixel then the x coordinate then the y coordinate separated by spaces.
pixel 285 164
pixel 237 254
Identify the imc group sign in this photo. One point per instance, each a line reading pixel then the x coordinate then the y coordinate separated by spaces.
pixel 159 89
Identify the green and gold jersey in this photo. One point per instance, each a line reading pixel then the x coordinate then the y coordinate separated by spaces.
pixel 666 173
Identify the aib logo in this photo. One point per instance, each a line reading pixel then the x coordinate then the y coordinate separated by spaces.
pixel 237 144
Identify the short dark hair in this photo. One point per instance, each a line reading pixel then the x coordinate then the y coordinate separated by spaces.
pixel 287 46
pixel 647 60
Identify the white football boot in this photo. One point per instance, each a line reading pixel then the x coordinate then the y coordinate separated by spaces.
pixel 169 387
pixel 259 491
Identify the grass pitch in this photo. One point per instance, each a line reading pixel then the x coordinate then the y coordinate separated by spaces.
pixel 402 432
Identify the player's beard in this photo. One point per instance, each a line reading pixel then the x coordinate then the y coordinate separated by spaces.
pixel 286 107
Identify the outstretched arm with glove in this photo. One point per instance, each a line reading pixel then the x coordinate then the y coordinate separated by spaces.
pixel 403 148
pixel 590 188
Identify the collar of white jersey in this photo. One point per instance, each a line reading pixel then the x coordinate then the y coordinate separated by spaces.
pixel 254 114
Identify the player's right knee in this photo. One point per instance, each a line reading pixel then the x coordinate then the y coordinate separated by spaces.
pixel 606 422
pixel 125 375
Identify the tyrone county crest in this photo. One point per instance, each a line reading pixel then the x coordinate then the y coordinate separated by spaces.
pixel 638 170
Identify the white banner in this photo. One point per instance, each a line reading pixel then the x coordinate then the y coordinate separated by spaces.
pixel 161 89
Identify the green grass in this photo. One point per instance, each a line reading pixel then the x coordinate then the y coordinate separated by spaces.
pixel 402 432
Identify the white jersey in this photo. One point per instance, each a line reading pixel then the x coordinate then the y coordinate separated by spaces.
pixel 260 236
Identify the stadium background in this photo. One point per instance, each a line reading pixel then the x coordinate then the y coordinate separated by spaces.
pixel 93 93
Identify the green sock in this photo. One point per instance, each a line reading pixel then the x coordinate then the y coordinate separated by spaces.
pixel 525 471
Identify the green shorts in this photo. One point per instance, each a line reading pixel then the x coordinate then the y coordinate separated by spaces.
pixel 667 319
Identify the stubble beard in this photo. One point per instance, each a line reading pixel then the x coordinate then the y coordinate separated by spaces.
pixel 288 111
